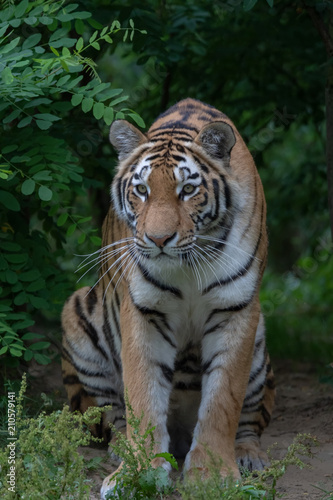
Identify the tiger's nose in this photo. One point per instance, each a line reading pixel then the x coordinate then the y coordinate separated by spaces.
pixel 161 241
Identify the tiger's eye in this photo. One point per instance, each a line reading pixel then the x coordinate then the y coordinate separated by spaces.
pixel 188 188
pixel 141 188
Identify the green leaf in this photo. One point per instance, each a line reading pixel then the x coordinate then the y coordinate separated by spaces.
pixel 16 258
pixel 62 219
pixel 39 346
pixel 249 4
pixel 28 187
pixel 98 110
pixel 118 100
pixel 43 175
pixel 30 20
pixel 79 27
pixel 108 115
pixel 79 44
pixel 28 355
pixel 138 120
pixel 41 359
pixel 169 458
pixel 32 336
pixel 24 122
pixel 93 37
pixel 9 246
pixel 131 23
pixel 47 116
pixel 87 104
pixel 125 36
pixel 38 302
pixel 36 285
pixel 7 76
pixel 270 3
pixel 9 149
pixel 96 46
pixel 81 238
pixel 76 99
pixel 30 275
pixel 43 124
pixel 45 20
pixel 11 277
pixel 32 41
pixel 55 52
pixel 21 299
pixel 3 350
pixel 45 193
pixel 10 46
pixel 21 8
pixel 13 115
pixel 71 229
pixel 96 240
pixel 9 201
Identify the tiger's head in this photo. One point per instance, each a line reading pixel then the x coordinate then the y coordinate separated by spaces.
pixel 169 191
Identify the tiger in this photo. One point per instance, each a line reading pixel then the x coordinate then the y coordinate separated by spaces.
pixel 174 319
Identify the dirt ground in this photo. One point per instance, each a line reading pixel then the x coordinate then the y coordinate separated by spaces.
pixel 303 405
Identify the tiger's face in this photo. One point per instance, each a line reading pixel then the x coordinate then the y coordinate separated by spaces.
pixel 170 192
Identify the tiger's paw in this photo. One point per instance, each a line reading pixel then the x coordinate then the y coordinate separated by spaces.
pixel 198 462
pixel 109 484
pixel 250 456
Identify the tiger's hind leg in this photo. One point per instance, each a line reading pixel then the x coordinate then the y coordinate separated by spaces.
pixel 257 407
pixel 91 365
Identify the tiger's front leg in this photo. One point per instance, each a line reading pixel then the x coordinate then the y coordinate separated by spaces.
pixel 227 351
pixel 148 355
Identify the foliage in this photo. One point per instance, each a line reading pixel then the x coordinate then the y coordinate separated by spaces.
pixel 260 484
pixel 137 478
pixel 47 462
pixel 46 72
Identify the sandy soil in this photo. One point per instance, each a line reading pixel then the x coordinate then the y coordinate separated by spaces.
pixel 303 405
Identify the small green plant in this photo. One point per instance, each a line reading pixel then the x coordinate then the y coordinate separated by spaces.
pixel 45 455
pixel 137 478
pixel 260 484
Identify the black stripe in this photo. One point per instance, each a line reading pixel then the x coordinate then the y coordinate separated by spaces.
pixel 227 193
pixel 216 189
pixel 153 157
pixel 75 401
pixel 99 391
pixel 118 189
pixel 146 311
pixel 258 371
pixel 91 300
pixel 251 407
pixel 188 386
pixel 78 368
pixel 246 433
pixel 177 157
pixel 200 164
pixel 167 371
pixel 215 327
pixel 253 423
pixel 207 364
pixel 110 340
pixel 88 328
pixel 254 393
pixel 164 335
pixel 265 414
pixel 148 277
pixel 270 383
pixel 71 380
pixel 242 271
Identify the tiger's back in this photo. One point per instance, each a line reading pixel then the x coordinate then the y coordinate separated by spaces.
pixel 175 316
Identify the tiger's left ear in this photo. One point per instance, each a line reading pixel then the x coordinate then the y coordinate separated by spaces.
pixel 124 137
pixel 217 139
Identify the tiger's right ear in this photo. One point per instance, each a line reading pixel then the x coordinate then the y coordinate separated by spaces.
pixel 124 137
